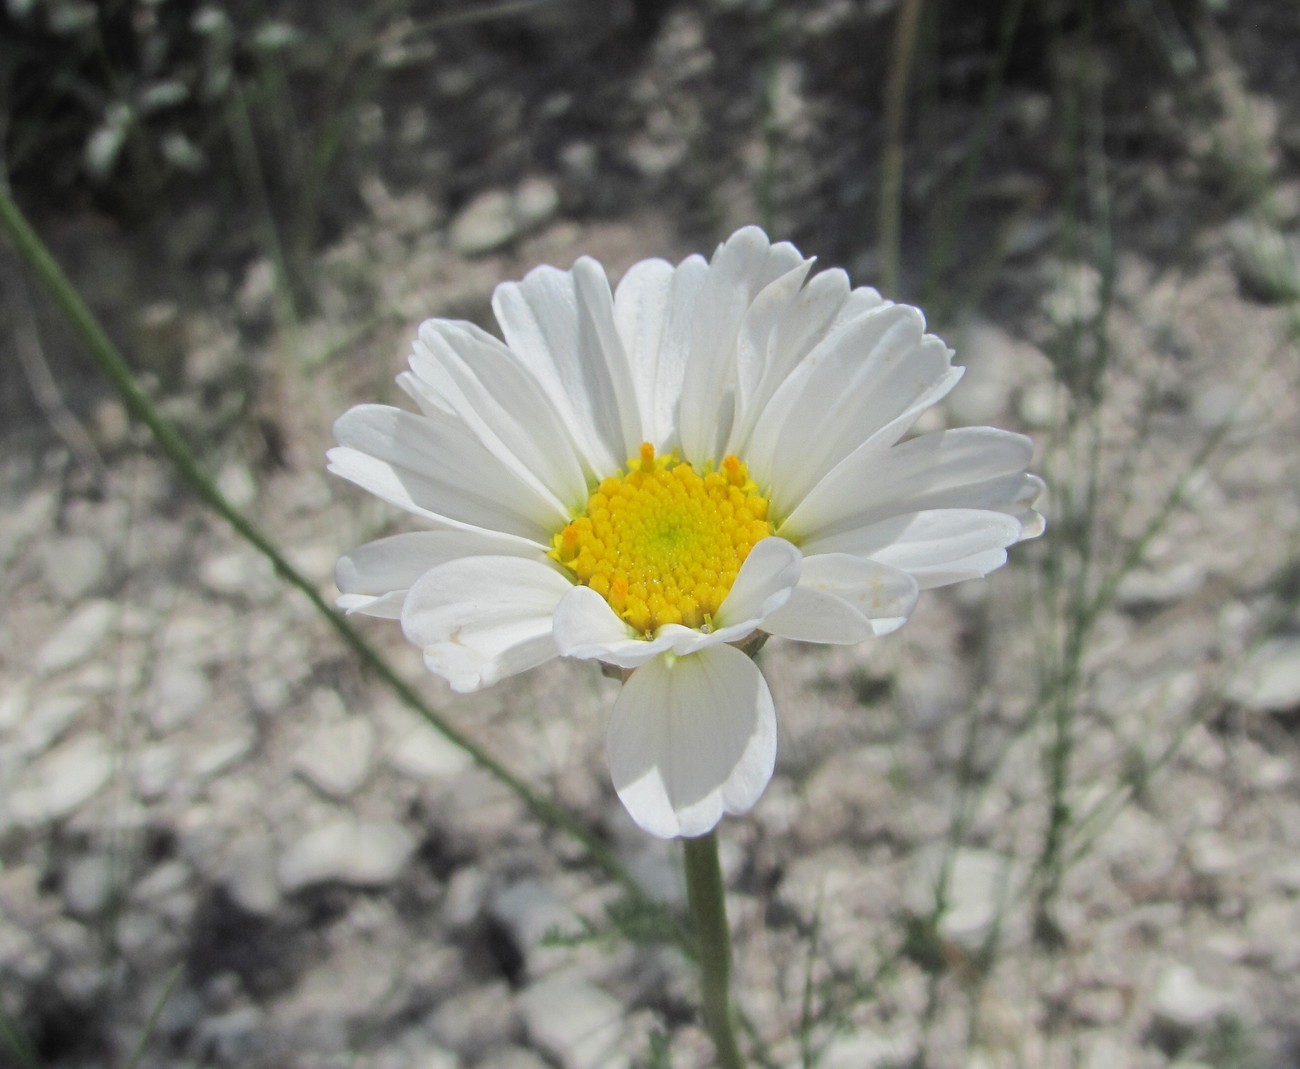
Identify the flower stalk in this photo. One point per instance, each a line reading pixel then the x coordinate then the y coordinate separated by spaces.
pixel 706 896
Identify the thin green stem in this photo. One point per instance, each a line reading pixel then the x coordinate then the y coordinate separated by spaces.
pixel 890 209
pixel 706 894
pixel 138 403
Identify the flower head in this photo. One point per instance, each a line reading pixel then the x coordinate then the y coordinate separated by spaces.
pixel 654 476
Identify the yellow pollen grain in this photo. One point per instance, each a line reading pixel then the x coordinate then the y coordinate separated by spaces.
pixel 662 543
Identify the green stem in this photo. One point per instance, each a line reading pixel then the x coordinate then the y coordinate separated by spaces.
pixel 706 895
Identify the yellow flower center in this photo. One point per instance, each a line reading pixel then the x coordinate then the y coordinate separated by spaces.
pixel 663 543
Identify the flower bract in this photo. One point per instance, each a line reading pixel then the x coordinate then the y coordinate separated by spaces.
pixel 652 476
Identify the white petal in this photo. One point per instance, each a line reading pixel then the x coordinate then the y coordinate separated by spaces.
pixel 586 627
pixel 762 585
pixel 374 578
pixel 561 326
pixel 844 599
pixel 972 467
pixel 654 308
pixel 939 546
pixel 785 322
pixel 867 382
pixel 465 369
pixel 434 467
pixel 481 619
pixel 741 267
pixel 692 738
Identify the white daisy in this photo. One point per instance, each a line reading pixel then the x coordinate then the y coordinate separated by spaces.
pixel 654 476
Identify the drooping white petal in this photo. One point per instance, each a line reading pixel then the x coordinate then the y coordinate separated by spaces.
pixel 763 584
pixel 741 267
pixel 692 738
pixel 434 467
pixel 937 546
pixel 464 369
pixel 971 467
pixel 480 619
pixel 561 326
pixel 868 381
pixel 844 599
pixel 375 577
pixel 654 309
pixel 586 627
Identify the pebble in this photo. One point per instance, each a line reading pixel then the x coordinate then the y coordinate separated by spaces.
pixel 426 755
pixel 179 692
pixel 1265 261
pixel 249 876
pixel 360 853
pixel 575 1023
pixel 48 718
pixel 531 915
pixel 74 566
pixel 62 781
pixel 88 884
pixel 867 1050
pixel 476 1018
pixel 1181 1002
pixel 81 635
pixel 156 770
pixel 497 217
pixel 336 758
pixel 978 883
pixel 1269 681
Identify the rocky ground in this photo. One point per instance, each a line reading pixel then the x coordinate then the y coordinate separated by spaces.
pixel 219 836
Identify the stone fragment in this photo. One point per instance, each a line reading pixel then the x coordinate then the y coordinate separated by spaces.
pixel 360 853
pixel 1269 681
pixel 495 218
pixel 574 1023
pixel 530 913
pixel 867 1050
pixel 63 780
pixel 1181 1002
pixel 156 769
pixel 978 882
pixel 88 885
pixel 84 632
pixel 249 876
pixel 423 754
pixel 475 1019
pixel 1266 261
pixel 336 758
pixel 74 566
pixel 179 692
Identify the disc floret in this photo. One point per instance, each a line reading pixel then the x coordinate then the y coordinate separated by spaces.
pixel 662 542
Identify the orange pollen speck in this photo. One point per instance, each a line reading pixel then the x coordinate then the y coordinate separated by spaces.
pixel 663 543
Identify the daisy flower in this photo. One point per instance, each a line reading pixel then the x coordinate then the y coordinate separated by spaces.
pixel 655 477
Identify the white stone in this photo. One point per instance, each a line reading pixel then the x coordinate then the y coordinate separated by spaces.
pixel 531 912
pixel 241 571
pixel 84 632
pixel 535 203
pixel 485 224
pixel 74 566
pixel 249 876
pixel 336 758
pixel 63 780
pixel 425 754
pixel 1269 681
pixel 179 693
pixel 978 884
pixel 574 1023
pixel 1182 1002
pixel 866 1050
pixel 156 770
pixel 88 884
pixel 48 718
pixel 221 756
pixel 361 853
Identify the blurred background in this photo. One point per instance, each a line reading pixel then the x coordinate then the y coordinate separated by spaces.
pixel 1054 822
